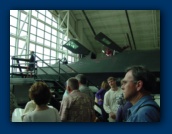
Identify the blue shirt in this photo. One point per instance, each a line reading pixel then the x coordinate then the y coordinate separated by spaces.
pixel 141 112
pixel 121 114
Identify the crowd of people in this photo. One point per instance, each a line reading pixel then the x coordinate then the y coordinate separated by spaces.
pixel 132 102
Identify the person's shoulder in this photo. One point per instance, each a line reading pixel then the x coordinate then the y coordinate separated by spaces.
pixel 30 103
pixel 120 90
pixel 108 92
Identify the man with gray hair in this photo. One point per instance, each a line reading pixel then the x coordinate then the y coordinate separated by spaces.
pixel 77 106
pixel 137 86
pixel 83 86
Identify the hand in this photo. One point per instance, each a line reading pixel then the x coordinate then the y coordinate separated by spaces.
pixel 100 100
pixel 112 115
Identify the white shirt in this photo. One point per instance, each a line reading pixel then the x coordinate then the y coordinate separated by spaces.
pixel 111 100
pixel 48 115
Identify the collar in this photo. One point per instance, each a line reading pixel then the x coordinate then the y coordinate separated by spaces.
pixel 139 103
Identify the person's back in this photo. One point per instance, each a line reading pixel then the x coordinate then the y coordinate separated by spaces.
pixel 76 106
pixel 48 115
pixel 40 94
pixel 145 110
pixel 86 90
pixel 83 86
pixel 30 106
pixel 79 107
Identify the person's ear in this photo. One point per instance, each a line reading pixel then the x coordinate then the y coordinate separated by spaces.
pixel 139 85
pixel 68 89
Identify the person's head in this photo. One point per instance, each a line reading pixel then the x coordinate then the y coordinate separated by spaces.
pixel 105 85
pixel 72 84
pixel 112 82
pixel 137 81
pixel 81 79
pixel 40 93
pixel 31 52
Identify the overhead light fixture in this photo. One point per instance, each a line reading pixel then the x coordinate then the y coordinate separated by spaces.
pixel 108 42
pixel 76 47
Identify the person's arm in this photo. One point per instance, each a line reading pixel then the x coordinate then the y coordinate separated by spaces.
pixel 64 110
pixel 30 106
pixel 106 103
pixel 27 119
pixel 57 115
pixel 99 92
pixel 119 117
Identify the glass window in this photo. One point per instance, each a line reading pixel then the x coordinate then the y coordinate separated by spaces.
pixel 41 17
pixel 53 45
pixel 23 33
pixel 12 41
pixel 47 43
pixel 54 24
pixel 12 30
pixel 44 38
pixel 40 25
pixel 53 53
pixel 41 11
pixel 12 50
pixel 48 21
pixel 34 13
pixel 47 60
pixel 32 37
pixel 54 32
pixel 39 64
pixel 33 21
pixel 19 51
pixel 69 58
pixel 46 51
pixel 40 33
pixel 40 40
pixel 40 56
pixel 48 29
pixel 13 21
pixel 48 14
pixel 14 13
pixel 33 30
pixel 72 59
pixel 32 47
pixel 60 55
pixel 21 44
pixel 39 49
pixel 52 61
pixel 25 27
pixel 47 36
pixel 54 39
pixel 23 16
pixel 27 11
pixel 21 24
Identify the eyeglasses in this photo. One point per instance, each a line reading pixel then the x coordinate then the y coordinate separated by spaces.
pixel 124 82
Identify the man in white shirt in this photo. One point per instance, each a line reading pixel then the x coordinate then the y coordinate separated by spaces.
pixel 111 99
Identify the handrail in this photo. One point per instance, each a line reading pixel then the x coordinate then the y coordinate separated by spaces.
pixel 50 67
pixel 78 73
pixel 54 80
